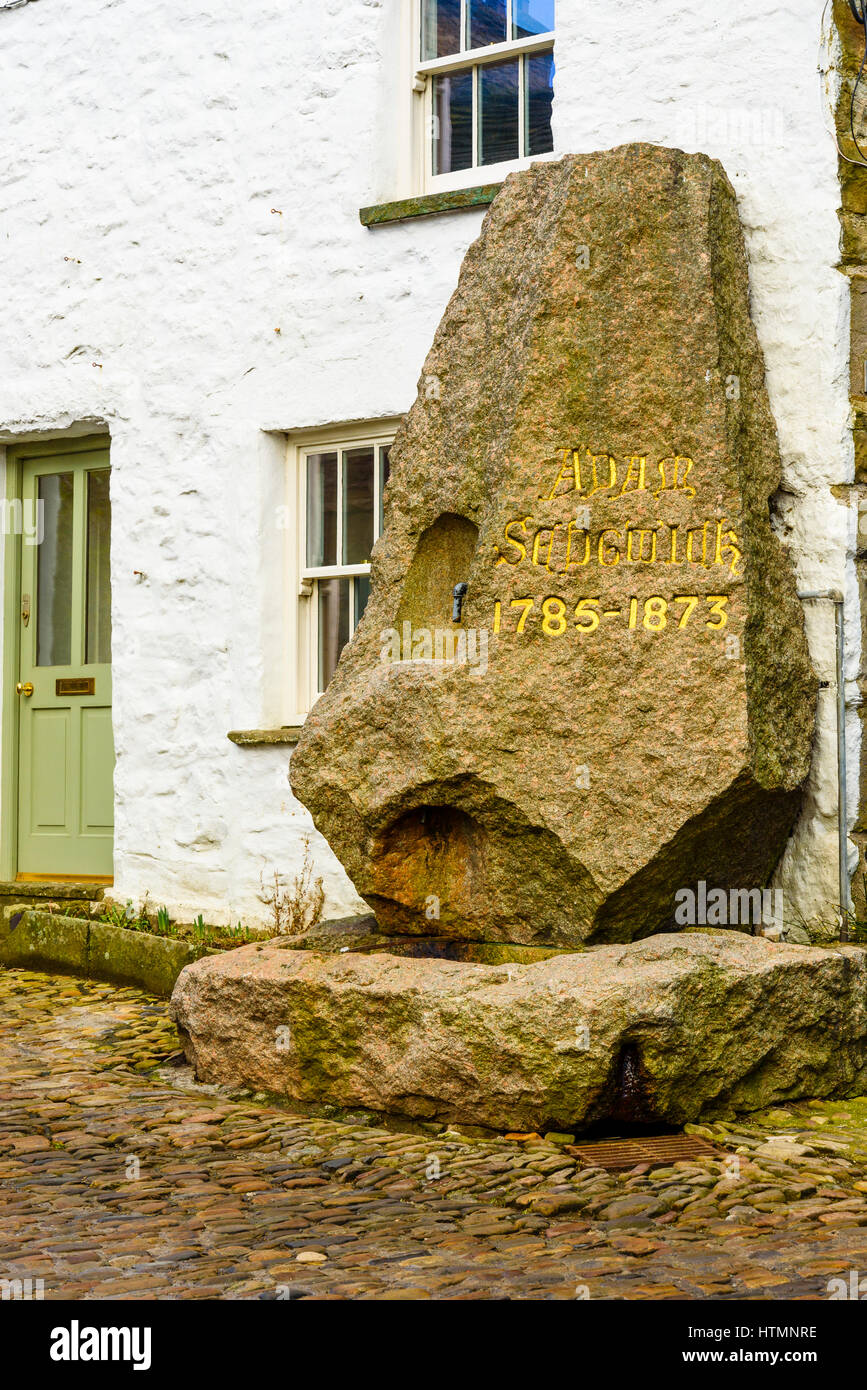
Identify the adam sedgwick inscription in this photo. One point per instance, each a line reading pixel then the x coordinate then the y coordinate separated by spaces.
pixel 564 546
pixel 588 482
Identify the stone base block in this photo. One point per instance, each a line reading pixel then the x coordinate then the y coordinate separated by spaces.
pixel 659 1031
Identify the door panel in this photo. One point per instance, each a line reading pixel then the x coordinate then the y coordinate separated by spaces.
pixel 66 749
pixel 49 763
pixel 97 804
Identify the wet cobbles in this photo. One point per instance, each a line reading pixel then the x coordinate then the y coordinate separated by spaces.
pixel 121 1178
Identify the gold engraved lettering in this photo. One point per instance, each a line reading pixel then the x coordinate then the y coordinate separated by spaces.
pixel 553 617
pixel 678 479
pixel 556 547
pixel 570 563
pixel 585 619
pixel 595 460
pixel 638 474
pixel 717 607
pixel 673 473
pixel 641 533
pixel 696 531
pixel 570 469
pixel 730 548
pixel 544 531
pixel 602 548
pixel 519 546
pixel 527 605
pixel 663 481
pixel 691 603
pixel 683 486
pixel 654 614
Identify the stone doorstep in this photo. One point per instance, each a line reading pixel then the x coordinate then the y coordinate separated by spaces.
pixel 45 891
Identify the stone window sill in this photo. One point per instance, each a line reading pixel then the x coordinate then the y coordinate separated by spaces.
pixel 260 738
pixel 429 205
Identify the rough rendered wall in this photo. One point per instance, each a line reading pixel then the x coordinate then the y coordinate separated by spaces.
pixel 145 146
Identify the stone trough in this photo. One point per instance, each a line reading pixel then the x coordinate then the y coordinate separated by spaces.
pixel 660 1031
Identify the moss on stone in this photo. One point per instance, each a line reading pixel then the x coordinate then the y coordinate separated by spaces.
pixel 49 941
pixel 428 205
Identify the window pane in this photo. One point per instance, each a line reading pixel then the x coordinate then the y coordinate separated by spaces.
pixel 453 122
pixel 333 596
pixel 54 572
pixel 440 28
pixel 498 116
pixel 487 22
pixel 533 17
pixel 539 90
pixel 357 506
pixel 362 594
pixel 321 509
pixel 384 470
pixel 98 636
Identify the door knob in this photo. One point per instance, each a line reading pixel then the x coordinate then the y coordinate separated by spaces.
pixel 24 688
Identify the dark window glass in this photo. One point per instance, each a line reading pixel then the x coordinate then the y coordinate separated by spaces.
pixel 533 17
pixel 334 597
pixel 98 627
pixel 441 28
pixel 453 122
pixel 321 510
pixel 487 22
pixel 498 112
pixel 539 94
pixel 384 470
pixel 54 571
pixel 362 594
pixel 357 506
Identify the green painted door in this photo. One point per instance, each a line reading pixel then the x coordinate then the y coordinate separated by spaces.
pixel 66 748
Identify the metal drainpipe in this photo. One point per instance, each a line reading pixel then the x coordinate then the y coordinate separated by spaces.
pixel 834 596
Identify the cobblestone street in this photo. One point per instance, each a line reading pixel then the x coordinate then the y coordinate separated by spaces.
pixel 121 1178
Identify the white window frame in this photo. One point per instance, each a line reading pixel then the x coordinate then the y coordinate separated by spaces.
pixel 302 645
pixel 424 72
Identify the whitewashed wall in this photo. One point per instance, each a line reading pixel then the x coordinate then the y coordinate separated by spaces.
pixel 146 145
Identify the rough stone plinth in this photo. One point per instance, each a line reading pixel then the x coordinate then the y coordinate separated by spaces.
pixel 660 1030
pixel 592 453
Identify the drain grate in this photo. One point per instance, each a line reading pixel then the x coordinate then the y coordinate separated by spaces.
pixel 656 1149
